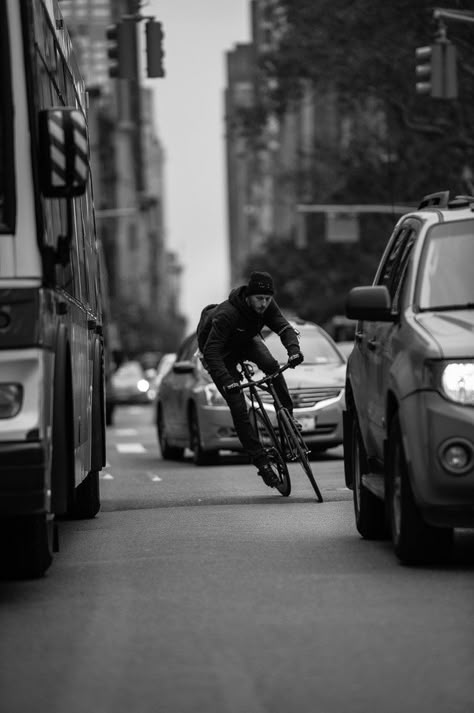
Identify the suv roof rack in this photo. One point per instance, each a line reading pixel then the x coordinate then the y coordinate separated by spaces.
pixel 437 200
pixel 441 201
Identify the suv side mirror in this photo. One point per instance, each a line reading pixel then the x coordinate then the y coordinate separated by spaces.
pixel 372 304
pixel 64 152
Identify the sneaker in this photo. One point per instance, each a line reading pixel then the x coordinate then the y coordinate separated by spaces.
pixel 269 476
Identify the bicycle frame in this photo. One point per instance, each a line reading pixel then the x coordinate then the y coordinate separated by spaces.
pixel 266 384
pixel 287 440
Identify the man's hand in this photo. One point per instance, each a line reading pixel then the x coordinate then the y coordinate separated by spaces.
pixel 295 359
pixel 232 388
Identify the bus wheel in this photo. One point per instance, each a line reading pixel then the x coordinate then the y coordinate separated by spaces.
pixel 87 497
pixel 27 546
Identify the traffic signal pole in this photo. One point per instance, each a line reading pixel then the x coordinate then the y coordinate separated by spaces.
pixel 436 69
pixel 436 66
pixel 122 51
pixel 444 13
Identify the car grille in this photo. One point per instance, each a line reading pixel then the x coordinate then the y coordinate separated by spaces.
pixel 306 398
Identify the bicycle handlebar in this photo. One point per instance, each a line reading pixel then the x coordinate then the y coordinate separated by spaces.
pixel 265 379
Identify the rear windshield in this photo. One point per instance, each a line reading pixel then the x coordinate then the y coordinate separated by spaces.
pixel 445 276
pixel 315 346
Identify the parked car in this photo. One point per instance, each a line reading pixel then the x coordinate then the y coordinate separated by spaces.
pixel 190 412
pixel 164 365
pixel 130 385
pixel 409 423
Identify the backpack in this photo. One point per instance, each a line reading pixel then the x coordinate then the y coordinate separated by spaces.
pixel 204 324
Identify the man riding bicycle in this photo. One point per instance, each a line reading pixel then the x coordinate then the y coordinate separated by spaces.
pixel 229 333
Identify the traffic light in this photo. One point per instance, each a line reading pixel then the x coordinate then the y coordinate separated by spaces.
pixel 154 49
pixel 122 50
pixel 436 70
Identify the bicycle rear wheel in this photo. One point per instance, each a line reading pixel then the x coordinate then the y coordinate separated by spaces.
pixel 270 443
pixel 297 448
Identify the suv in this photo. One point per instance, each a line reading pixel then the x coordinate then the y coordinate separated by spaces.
pixel 409 418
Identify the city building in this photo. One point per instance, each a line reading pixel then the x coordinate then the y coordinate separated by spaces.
pixel 128 164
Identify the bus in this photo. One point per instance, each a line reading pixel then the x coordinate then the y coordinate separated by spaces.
pixel 52 391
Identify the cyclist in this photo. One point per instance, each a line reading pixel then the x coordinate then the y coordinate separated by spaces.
pixel 229 333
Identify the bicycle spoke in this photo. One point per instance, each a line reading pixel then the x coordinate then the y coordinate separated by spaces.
pixel 269 441
pixel 298 448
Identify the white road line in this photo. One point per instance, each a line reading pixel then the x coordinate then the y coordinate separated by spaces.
pixel 130 448
pixel 154 477
pixel 107 476
pixel 125 431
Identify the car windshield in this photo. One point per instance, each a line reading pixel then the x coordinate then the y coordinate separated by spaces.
pixel 445 275
pixel 316 348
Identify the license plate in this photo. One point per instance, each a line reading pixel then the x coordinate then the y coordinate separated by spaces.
pixel 307 423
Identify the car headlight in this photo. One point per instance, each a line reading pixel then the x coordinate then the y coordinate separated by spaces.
pixel 213 396
pixel 143 385
pixel 455 380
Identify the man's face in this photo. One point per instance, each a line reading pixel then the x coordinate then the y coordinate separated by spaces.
pixel 259 303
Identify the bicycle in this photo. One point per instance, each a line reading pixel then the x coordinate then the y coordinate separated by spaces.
pixel 284 443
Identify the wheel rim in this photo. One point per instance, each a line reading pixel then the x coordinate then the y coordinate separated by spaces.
pixel 396 497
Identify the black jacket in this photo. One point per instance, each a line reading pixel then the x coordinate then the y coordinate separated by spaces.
pixel 234 324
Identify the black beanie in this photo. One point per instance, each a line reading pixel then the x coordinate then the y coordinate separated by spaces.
pixel 260 283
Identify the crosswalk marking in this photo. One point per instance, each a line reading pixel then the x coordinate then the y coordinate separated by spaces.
pixel 154 477
pixel 125 431
pixel 130 448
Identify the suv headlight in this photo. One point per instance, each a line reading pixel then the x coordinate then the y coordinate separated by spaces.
pixel 455 380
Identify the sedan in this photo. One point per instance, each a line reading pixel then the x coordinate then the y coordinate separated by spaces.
pixel 191 413
pixel 130 385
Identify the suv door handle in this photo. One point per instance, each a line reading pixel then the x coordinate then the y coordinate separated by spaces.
pixel 372 344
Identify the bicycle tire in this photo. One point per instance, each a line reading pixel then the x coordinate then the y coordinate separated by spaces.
pixel 269 441
pixel 296 442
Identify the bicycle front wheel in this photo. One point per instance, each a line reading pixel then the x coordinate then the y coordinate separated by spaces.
pixel 269 441
pixel 297 448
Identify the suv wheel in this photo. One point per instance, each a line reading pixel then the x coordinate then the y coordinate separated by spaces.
pixel 369 510
pixel 414 541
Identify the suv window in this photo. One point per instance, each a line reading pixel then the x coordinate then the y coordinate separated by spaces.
pixel 445 276
pixel 396 260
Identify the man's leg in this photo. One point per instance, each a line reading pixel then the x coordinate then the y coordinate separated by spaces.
pixel 244 428
pixel 259 354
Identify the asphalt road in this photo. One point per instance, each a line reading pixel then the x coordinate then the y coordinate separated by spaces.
pixel 200 590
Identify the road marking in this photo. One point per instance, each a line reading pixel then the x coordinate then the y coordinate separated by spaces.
pixel 155 478
pixel 107 476
pixel 125 431
pixel 130 448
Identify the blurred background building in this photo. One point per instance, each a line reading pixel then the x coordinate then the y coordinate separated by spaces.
pixel 128 164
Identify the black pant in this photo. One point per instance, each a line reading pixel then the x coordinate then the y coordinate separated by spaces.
pixel 256 352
